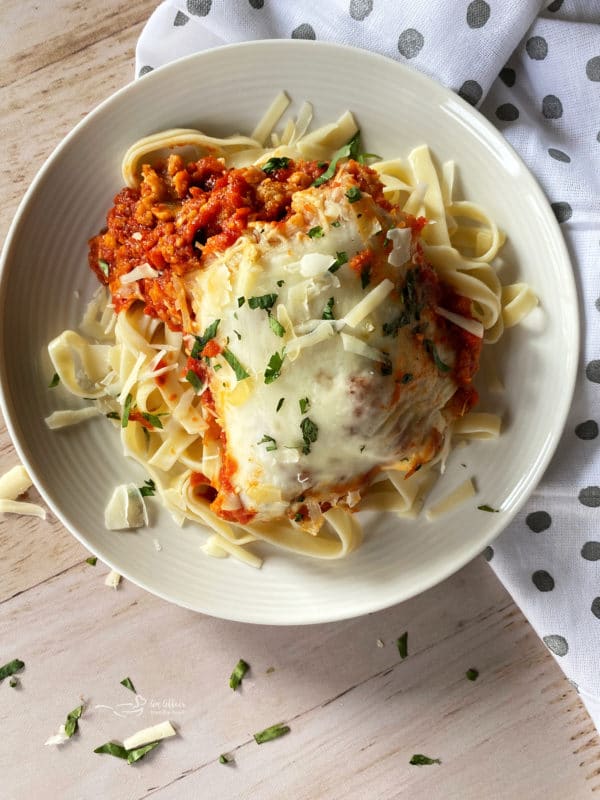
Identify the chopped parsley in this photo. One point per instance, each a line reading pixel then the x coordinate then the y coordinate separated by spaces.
pixel 472 674
pixel 225 759
pixel 240 669
pixel 354 194
pixel 92 561
pixel 485 507
pixel 419 760
pixel 126 682
pixel 55 381
pixel 279 404
pixel 275 163
pixel 131 756
pixel 112 415
pixel 280 283
pixel 431 349
pixel 328 310
pixel 274 732
pixel 192 378
pixel 241 301
pixel 336 224
pixel 270 441
pixel 402 645
pixel 276 326
pixel 310 433
pixel 350 150
pixel 9 669
pixel 103 266
pixel 316 232
pixel 126 411
pixel 72 722
pixel 304 404
pixel 340 258
pixel 265 301
pixel 148 490
pixel 392 328
pixel 273 370
pixel 13 682
pixel 202 341
pixel 153 419
pixel 240 372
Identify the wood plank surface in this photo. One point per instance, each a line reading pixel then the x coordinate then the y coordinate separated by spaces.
pixel 356 710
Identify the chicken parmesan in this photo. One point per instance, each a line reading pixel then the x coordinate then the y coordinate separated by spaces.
pixel 286 335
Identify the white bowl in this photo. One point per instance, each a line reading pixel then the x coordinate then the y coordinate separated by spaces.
pixel 45 284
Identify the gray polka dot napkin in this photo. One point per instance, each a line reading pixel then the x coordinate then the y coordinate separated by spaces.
pixel 533 69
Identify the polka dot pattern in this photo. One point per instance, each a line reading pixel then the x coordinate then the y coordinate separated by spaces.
pixel 557 644
pixel 591 551
pixel 592 68
pixel 471 91
pixel 144 70
pixel 562 211
pixel 542 580
pixel 590 496
pixel 199 8
pixel 587 430
pixel 304 31
pixel 181 19
pixel 507 112
pixel 558 155
pixel 538 521
pixel 592 371
pixel 595 609
pixel 478 13
pixel 410 43
pixel 552 107
pixel 537 48
pixel 508 76
pixel 360 9
pixel 555 6
pixel 257 4
pixel 488 553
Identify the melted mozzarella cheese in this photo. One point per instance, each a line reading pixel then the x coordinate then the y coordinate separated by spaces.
pixel 361 413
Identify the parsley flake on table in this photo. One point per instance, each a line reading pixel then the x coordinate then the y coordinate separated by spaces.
pixel 72 722
pixel 127 683
pixel 485 507
pixel 224 758
pixel 131 756
pixel 92 560
pixel 13 682
pixel 237 676
pixel 9 669
pixel 274 732
pixel 472 674
pixel 419 760
pixel 402 645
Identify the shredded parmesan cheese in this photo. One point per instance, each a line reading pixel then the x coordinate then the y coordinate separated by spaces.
pixel 154 734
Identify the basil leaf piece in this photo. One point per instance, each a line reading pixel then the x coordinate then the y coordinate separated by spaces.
pixel 147 490
pixel 276 326
pixel 240 669
pixel 316 232
pixel 274 732
pixel 275 163
pixel 240 372
pixel 270 441
pixel 265 301
pixel 126 411
pixel 340 258
pixel 192 378
pixel 103 266
pixel 241 301
pixel 431 349
pixel 402 644
pixel 279 404
pixel 280 283
pixel 349 150
pixel 273 370
pixel 92 561
pixel 310 433
pixel 153 419
pixel 328 310
pixel 202 341
pixel 225 759
pixel 13 682
pixel 55 381
pixel 112 749
pixel 9 669
pixel 354 194
pixel 485 507
pixel 126 682
pixel 420 760
pixel 139 752
pixel 113 415
pixel 304 404
pixel 472 674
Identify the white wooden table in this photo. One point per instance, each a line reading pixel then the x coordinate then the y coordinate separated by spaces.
pixel 357 711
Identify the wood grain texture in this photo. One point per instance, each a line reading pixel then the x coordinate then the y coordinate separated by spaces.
pixel 357 711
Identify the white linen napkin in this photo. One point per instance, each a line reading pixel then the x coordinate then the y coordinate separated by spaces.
pixel 532 68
